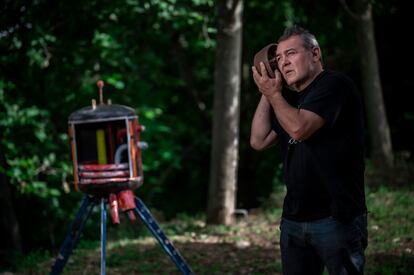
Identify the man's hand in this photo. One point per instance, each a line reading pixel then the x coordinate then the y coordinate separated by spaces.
pixel 267 86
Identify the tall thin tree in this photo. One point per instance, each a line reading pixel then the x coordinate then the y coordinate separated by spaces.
pixel 379 130
pixel 224 152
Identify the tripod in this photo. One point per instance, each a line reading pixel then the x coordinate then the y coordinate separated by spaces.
pixel 87 205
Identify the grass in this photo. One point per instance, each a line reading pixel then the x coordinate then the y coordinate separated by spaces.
pixel 250 246
pixel 391 231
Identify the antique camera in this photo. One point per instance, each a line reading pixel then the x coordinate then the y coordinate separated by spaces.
pixel 106 152
pixel 267 55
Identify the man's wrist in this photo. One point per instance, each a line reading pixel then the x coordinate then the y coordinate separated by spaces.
pixel 274 96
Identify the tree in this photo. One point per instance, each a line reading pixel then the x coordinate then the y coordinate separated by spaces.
pixel 224 152
pixel 379 130
pixel 9 226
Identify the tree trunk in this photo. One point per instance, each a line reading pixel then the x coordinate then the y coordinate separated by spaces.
pixel 224 153
pixel 10 244
pixel 379 130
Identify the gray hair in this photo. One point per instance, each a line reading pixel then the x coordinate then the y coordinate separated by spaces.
pixel 309 40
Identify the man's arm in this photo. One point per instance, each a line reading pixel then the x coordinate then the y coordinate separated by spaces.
pixel 298 123
pixel 262 135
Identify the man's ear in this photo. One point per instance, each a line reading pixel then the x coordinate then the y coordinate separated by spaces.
pixel 316 53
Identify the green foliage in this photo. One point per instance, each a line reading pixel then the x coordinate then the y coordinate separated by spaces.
pixel 50 68
pixel 156 56
pixel 29 165
pixel 32 167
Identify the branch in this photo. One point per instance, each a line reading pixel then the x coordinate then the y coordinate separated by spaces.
pixel 354 15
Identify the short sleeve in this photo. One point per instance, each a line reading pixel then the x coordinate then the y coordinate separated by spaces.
pixel 326 98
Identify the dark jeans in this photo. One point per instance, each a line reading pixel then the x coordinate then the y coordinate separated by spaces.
pixel 307 247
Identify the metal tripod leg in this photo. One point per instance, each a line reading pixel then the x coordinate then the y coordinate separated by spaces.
pixel 73 236
pixel 103 236
pixel 157 232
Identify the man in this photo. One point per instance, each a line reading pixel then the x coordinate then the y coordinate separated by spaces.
pixel 316 117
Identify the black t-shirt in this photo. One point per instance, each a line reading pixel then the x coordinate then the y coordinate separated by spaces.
pixel 324 174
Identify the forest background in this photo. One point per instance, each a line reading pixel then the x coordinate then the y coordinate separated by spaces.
pixel 159 58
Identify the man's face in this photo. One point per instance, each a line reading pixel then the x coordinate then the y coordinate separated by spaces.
pixel 296 63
